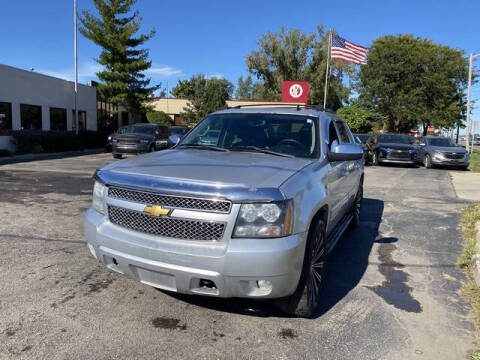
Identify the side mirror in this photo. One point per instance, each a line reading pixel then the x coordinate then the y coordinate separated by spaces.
pixel 173 140
pixel 344 152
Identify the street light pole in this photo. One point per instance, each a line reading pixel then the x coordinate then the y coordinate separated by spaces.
pixel 469 94
pixel 75 60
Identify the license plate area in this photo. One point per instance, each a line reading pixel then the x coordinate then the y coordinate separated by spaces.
pixel 154 278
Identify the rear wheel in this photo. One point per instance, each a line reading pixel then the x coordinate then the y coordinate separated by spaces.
pixel 375 158
pixel 306 298
pixel 428 161
pixel 117 156
pixel 356 208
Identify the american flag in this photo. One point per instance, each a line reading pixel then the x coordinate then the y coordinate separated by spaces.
pixel 347 51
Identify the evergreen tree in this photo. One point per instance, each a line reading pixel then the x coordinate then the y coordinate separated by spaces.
pixel 123 79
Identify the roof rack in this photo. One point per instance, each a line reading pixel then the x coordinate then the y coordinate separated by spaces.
pixel 287 105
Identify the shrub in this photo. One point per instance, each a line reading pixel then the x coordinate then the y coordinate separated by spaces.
pixel 159 117
pixel 46 141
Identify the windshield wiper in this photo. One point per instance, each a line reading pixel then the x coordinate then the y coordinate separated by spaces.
pixel 202 147
pixel 260 150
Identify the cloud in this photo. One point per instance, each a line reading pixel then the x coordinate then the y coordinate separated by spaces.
pixel 86 71
pixel 163 71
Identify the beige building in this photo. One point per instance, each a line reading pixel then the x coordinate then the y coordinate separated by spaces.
pixel 174 107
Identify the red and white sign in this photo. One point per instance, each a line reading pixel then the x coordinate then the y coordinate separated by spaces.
pixel 295 91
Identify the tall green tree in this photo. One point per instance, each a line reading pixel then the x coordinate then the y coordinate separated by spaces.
pixel 293 55
pixel 204 95
pixel 358 119
pixel 123 79
pixel 244 90
pixel 413 81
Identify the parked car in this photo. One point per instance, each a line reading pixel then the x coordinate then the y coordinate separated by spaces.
pixel 140 138
pixel 391 148
pixel 108 146
pixel 442 151
pixel 238 217
pixel 361 139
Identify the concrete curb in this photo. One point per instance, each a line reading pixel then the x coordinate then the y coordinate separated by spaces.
pixel 476 257
pixel 46 156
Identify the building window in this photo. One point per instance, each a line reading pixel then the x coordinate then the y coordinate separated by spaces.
pixel 31 117
pixel 58 119
pixel 82 120
pixel 5 116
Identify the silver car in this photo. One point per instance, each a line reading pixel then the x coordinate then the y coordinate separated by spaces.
pixel 442 151
pixel 251 213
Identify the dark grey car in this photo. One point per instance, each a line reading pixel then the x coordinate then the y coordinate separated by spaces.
pixel 140 138
pixel 442 151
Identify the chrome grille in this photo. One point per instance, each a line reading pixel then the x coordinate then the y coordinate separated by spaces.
pixel 221 206
pixel 166 226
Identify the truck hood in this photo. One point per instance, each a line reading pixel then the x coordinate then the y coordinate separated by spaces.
pixel 211 169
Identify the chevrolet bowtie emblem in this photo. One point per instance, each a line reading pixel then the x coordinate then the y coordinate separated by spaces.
pixel 156 210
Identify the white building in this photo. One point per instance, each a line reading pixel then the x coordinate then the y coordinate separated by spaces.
pixel 33 101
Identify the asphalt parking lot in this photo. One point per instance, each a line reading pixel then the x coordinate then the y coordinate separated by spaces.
pixel 392 287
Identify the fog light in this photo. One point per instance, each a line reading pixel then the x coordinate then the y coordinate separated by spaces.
pixel 264 285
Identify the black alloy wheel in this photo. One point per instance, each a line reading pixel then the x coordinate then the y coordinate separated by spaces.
pixel 306 298
pixel 357 207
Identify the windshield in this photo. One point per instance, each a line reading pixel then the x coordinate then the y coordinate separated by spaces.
pixel 149 130
pixel 445 142
pixel 394 139
pixel 294 135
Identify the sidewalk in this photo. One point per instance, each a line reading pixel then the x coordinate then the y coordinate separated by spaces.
pixel 46 156
pixel 466 184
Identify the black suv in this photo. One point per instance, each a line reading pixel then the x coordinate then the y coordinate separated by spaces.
pixel 391 148
pixel 140 138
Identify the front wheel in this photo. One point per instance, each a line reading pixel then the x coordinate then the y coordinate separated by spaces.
pixel 428 161
pixel 117 156
pixel 306 298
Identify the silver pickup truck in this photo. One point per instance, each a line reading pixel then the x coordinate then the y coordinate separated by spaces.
pixel 248 204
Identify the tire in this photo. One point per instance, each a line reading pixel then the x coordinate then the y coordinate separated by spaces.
pixel 375 158
pixel 152 148
pixel 463 167
pixel 428 161
pixel 306 298
pixel 117 156
pixel 356 208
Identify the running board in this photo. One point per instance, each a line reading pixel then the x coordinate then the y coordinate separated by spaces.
pixel 337 233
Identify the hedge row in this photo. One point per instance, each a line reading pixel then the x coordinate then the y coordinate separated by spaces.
pixel 48 142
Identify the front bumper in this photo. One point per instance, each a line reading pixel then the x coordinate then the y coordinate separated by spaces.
pixel 443 161
pixel 129 149
pixel 397 157
pixel 234 265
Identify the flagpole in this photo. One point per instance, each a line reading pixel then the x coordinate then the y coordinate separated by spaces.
pixel 75 60
pixel 326 71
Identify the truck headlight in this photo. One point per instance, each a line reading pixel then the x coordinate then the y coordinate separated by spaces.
pixel 99 197
pixel 267 220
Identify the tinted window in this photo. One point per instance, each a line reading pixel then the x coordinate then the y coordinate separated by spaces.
pixel 31 117
pixel 289 134
pixel 5 116
pixel 342 132
pixel 58 119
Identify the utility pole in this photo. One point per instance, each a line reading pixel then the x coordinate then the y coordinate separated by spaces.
pixel 75 60
pixel 469 94
pixel 326 71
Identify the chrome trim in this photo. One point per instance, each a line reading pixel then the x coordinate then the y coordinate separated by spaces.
pixel 170 195
pixel 233 193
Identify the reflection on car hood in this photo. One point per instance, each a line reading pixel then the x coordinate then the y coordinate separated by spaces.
pixel 455 149
pixel 239 169
pixel 396 146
